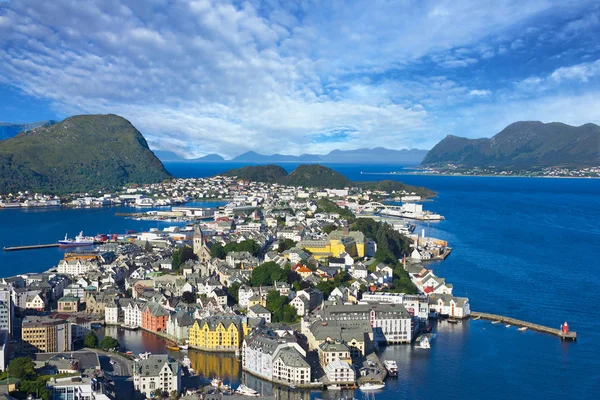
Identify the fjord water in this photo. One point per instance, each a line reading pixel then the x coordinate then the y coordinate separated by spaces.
pixel 523 247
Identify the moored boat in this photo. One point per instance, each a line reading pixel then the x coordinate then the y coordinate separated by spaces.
pixel 371 386
pixel 246 391
pixel 508 325
pixel 496 322
pixel 172 346
pixel 523 328
pixel 184 346
pixel 79 240
pixel 391 367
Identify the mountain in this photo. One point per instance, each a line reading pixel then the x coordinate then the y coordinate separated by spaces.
pixel 8 130
pixel 378 155
pixel 208 158
pixel 165 156
pixel 523 145
pixel 81 153
pixel 315 175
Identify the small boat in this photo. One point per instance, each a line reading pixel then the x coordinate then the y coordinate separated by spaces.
pixel 292 386
pixel 508 325
pixel 478 317
pixel 496 322
pixel 424 343
pixel 371 386
pixel 391 367
pixel 183 347
pixel 523 328
pixel 452 321
pixel 246 391
pixel 172 346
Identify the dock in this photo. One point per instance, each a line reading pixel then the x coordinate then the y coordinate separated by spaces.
pixel 33 247
pixel 518 323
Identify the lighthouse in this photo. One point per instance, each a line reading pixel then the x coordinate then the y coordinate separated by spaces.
pixel 565 328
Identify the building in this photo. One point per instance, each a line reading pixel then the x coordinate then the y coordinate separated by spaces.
pixel 36 302
pixel 416 304
pixel 154 317
pixel 391 323
pixel 179 324
pixel 46 335
pixel 330 351
pixel 3 349
pixel 132 314
pixel 356 335
pixel 258 311
pixel 452 306
pixel 337 242
pixel 68 304
pixel 218 333
pixel 75 267
pixel 81 388
pixel 340 372
pixel 156 372
pixel 6 316
pixel 274 358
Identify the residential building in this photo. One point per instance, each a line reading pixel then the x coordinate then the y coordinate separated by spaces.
pixel 156 372
pixel 179 324
pixel 258 311
pixel 340 372
pixel 452 306
pixel 337 242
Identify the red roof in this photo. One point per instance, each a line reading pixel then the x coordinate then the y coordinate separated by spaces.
pixel 428 289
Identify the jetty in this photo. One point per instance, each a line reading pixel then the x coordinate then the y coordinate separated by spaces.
pixel 32 247
pixel 568 335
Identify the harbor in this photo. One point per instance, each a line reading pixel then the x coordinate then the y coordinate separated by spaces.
pixel 31 247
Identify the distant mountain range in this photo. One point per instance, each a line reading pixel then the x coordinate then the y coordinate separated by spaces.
pixel 378 155
pixel 8 130
pixel 522 145
pixel 79 154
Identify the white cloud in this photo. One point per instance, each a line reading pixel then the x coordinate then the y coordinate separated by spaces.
pixel 479 92
pixel 580 72
pixel 205 76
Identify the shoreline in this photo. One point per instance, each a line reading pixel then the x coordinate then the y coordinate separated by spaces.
pixel 479 175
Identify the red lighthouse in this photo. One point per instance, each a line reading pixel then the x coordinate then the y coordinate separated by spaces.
pixel 565 328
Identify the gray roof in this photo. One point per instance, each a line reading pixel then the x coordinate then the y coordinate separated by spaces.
pixel 292 358
pixel 155 363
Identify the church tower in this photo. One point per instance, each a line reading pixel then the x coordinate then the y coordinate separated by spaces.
pixel 198 241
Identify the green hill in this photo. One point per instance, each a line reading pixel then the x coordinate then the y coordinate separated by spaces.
pixel 259 173
pixel 81 153
pixel 318 176
pixel 524 145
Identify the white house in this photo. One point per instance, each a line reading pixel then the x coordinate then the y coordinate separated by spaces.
pixel 156 372
pixel 339 371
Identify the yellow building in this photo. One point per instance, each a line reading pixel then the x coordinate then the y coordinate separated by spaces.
pixel 337 242
pixel 218 333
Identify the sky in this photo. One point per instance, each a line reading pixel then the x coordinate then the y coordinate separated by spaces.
pixel 199 76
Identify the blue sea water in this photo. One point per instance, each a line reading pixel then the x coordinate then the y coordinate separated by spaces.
pixel 523 247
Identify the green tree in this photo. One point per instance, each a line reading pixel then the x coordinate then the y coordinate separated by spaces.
pixel 22 368
pixel 329 228
pixel 285 244
pixel 267 273
pixel 181 255
pixel 280 308
pixel 188 297
pixel 233 291
pixel 147 247
pixel 91 340
pixel 108 342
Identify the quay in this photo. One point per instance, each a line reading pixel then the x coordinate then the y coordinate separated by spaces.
pixel 518 323
pixel 33 247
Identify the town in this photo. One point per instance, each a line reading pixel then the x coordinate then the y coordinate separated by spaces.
pixel 303 285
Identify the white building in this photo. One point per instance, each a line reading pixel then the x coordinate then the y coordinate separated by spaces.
pixel 447 304
pixel 111 313
pixel 339 371
pixel 132 314
pixel 75 267
pixel 156 372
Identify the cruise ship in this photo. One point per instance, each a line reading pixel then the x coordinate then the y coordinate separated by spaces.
pixel 79 240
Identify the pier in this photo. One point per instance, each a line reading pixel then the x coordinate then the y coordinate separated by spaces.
pixel 33 247
pixel 518 323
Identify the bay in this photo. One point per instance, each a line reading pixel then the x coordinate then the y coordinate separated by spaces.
pixel 523 247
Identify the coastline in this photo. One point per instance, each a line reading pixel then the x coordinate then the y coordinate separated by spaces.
pixel 479 175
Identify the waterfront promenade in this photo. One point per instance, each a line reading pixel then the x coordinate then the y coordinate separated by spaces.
pixel 519 323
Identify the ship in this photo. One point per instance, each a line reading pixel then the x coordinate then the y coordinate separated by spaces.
pixel 371 386
pixel 391 367
pixel 246 391
pixel 79 240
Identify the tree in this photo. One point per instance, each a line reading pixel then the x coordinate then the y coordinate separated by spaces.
pixel 233 291
pixel 267 273
pixel 329 228
pixel 285 244
pixel 147 247
pixel 22 368
pixel 91 340
pixel 181 255
pixel 280 308
pixel 188 297
pixel 108 342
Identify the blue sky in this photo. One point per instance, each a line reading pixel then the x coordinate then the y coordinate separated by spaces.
pixel 293 77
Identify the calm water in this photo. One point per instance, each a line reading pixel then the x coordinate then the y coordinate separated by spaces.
pixel 523 247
